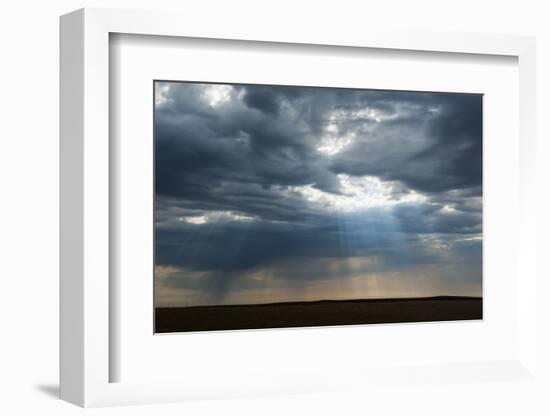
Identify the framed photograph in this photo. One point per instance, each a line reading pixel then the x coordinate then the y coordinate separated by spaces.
pixel 287 206
pixel 264 212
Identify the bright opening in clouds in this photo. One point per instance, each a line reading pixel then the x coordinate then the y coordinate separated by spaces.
pixel 270 193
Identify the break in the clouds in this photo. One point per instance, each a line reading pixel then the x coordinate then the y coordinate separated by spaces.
pixel 272 193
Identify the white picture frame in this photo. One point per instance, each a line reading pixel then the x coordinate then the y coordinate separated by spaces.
pixel 85 355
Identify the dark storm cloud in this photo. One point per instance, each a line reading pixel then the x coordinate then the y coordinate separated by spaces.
pixel 429 219
pixel 225 244
pixel 198 152
pixel 227 250
pixel 429 151
pixel 429 142
pixel 262 98
pixel 231 166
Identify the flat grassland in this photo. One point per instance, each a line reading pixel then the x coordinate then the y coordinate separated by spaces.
pixel 319 313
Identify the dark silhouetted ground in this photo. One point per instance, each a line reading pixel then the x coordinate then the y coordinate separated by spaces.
pixel 320 313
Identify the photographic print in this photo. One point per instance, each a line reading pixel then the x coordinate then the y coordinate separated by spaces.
pixel 292 206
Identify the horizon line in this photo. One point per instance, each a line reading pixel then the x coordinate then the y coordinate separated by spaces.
pixel 450 297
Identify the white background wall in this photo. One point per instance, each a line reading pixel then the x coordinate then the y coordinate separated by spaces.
pixel 29 205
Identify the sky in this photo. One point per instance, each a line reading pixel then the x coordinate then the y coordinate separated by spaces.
pixel 277 193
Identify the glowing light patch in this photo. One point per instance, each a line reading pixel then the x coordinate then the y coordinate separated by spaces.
pixel 161 93
pixel 194 220
pixel 237 217
pixel 358 193
pixel 362 114
pixel 218 94
pixel 332 145
pixel 472 238
pixel 215 216
pixel 448 208
pixel 333 142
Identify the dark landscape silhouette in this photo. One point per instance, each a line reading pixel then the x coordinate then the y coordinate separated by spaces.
pixel 317 313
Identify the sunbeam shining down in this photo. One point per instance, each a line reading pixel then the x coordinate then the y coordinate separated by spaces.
pixel 280 206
